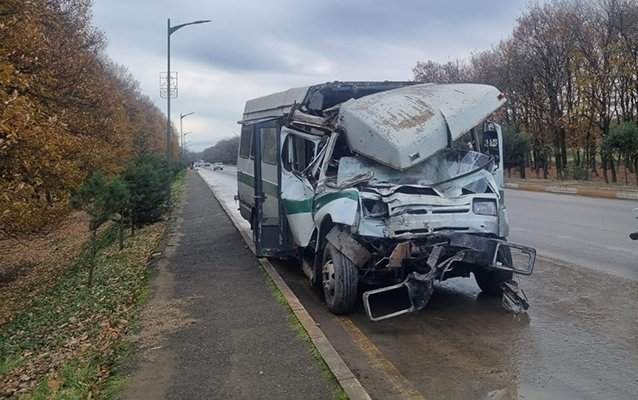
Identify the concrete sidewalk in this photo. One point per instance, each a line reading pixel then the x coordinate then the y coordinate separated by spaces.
pixel 240 343
pixel 579 188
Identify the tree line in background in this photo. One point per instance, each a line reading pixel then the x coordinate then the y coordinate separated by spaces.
pixel 66 111
pixel 224 151
pixel 570 73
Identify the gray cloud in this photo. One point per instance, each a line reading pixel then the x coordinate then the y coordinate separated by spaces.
pixel 254 47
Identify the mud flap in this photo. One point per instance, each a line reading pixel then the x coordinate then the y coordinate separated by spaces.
pixel 514 299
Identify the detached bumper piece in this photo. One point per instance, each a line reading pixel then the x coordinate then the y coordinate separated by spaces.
pixel 419 290
pixel 495 253
pixel 418 287
pixel 483 252
pixel 514 257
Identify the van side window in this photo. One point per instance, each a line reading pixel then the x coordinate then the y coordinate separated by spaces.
pixel 297 153
pixel 268 145
pixel 244 141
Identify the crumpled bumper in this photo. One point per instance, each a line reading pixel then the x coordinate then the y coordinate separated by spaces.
pixel 487 252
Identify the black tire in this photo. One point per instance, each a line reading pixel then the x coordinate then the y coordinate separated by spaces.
pixel 491 282
pixel 339 277
pixel 317 280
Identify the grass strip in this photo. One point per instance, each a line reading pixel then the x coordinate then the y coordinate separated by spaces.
pixel 70 341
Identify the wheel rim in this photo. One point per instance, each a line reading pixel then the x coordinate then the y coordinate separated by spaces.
pixel 328 275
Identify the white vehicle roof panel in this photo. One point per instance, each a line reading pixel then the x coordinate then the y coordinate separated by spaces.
pixel 405 126
pixel 274 105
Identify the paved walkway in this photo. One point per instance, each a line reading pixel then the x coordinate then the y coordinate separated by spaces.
pixel 240 344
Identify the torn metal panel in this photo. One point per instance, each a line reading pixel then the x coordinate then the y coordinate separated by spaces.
pixel 448 172
pixel 401 252
pixel 419 287
pixel 349 247
pixel 403 127
pixel 514 298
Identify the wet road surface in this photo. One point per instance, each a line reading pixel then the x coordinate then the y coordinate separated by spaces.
pixel 579 339
pixel 586 231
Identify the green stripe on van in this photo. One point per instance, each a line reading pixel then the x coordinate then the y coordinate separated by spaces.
pixel 298 206
pixel 330 197
pixel 269 187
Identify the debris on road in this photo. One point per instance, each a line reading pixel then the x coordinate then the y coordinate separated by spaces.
pixel 514 298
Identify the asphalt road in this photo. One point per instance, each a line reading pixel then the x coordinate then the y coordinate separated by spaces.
pixel 584 231
pixel 579 339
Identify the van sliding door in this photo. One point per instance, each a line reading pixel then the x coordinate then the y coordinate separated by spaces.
pixel 267 230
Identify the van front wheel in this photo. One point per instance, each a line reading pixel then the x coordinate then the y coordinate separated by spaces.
pixel 339 277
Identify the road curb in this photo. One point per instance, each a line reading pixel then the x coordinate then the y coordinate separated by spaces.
pixel 333 360
pixel 609 193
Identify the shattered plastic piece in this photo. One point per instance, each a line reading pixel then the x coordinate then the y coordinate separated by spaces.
pixel 514 299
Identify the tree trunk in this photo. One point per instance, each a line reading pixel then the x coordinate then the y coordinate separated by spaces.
pixel 603 163
pixel 594 169
pixel 521 168
pixel 559 168
pixel 626 181
pixel 545 168
pixel 563 153
pixel 612 167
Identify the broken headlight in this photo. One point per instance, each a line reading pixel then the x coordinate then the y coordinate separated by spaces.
pixel 373 208
pixel 484 206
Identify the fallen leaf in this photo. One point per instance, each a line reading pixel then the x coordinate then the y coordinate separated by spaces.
pixel 54 385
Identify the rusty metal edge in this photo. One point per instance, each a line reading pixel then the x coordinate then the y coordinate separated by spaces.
pixel 349 383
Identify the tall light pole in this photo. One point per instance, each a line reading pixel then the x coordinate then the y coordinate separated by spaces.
pixel 181 135
pixel 184 144
pixel 169 31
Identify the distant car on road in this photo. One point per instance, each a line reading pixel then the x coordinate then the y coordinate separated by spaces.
pixel 206 164
pixel 218 166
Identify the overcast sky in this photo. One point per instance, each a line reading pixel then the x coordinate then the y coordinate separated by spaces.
pixel 257 47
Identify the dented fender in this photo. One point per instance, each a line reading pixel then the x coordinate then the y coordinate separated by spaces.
pixel 341 206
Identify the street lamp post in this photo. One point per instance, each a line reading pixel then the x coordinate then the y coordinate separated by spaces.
pixel 181 135
pixel 184 139
pixel 169 31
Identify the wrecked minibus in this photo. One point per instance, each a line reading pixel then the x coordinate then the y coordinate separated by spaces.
pixel 380 187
